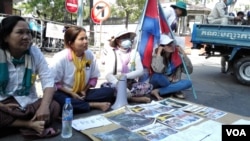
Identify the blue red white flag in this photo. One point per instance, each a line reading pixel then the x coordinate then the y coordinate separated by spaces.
pixel 150 32
pixel 152 24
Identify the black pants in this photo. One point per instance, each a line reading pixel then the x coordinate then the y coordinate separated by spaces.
pixel 93 95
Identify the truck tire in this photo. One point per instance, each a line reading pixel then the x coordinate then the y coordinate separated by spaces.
pixel 242 70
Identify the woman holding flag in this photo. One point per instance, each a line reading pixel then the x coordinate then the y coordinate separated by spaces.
pixel 167 68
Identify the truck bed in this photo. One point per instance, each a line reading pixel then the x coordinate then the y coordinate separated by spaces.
pixel 225 35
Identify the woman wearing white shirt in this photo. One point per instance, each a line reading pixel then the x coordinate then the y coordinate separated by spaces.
pixel 20 106
pixel 125 60
pixel 76 72
pixel 173 12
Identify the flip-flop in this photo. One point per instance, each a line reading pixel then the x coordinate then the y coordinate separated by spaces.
pixel 47 133
pixel 50 132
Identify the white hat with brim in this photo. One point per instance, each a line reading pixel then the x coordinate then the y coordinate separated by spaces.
pixel 120 34
pixel 165 39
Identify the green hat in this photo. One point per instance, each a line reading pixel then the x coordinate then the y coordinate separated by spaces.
pixel 181 5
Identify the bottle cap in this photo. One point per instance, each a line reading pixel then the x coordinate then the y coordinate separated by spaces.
pixel 68 100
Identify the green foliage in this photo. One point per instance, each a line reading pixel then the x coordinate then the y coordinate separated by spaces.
pixel 131 8
pixel 56 13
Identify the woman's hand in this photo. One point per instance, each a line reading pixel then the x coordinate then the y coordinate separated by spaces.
pixel 77 96
pixel 83 94
pixel 181 50
pixel 159 50
pixel 42 114
pixel 9 106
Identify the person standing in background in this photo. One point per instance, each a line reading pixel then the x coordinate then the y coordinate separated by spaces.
pixel 247 21
pixel 220 15
pixel 173 13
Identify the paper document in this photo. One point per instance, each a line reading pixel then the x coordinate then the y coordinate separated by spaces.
pixel 90 122
pixel 156 132
pixel 242 122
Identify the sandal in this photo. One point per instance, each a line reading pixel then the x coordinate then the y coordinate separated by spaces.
pixel 179 95
pixel 47 133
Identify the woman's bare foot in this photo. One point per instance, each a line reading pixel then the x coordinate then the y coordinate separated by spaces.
pixel 142 99
pixel 104 106
pixel 155 93
pixel 37 126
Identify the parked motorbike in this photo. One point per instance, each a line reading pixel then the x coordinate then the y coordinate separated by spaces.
pixel 40 39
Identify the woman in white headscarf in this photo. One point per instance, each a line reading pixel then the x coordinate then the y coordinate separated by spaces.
pixel 125 60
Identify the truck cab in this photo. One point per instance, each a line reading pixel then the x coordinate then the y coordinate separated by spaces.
pixel 230 42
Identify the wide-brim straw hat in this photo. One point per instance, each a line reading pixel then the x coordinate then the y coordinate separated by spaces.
pixel 112 41
pixel 181 5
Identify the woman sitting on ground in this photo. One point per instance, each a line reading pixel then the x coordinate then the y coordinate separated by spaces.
pixel 125 60
pixel 167 68
pixel 20 63
pixel 76 72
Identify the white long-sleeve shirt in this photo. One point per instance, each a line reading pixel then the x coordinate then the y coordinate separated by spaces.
pixel 16 74
pixel 110 64
pixel 170 15
pixel 219 11
pixel 63 69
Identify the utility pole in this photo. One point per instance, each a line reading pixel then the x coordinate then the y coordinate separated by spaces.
pixel 204 3
pixel 79 13
pixel 91 26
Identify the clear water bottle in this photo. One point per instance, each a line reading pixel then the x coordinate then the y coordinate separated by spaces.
pixel 67 117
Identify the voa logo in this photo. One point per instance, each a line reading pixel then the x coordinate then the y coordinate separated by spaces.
pixel 236 132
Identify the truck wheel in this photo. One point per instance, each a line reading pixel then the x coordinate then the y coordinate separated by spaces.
pixel 242 70
pixel 224 64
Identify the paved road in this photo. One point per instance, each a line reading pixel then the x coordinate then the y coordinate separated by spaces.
pixel 218 90
pixel 213 89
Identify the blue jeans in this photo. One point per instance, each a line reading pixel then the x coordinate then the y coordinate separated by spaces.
pixel 161 82
pixel 93 95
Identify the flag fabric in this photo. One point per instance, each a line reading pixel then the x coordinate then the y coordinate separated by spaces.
pixel 152 24
pixel 150 32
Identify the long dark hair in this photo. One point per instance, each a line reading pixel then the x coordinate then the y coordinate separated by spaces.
pixel 6 27
pixel 70 35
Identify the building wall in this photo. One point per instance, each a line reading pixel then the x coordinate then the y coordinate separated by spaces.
pixel 6 6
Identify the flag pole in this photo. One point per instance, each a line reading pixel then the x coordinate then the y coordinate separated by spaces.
pixel 79 13
pixel 139 28
pixel 140 25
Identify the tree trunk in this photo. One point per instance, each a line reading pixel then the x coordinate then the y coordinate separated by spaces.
pixel 53 14
pixel 91 26
pixel 126 21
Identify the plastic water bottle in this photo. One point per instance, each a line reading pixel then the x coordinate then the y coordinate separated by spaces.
pixel 67 117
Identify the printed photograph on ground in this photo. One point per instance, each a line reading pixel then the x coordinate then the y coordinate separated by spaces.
pixel 156 132
pixel 211 113
pixel 130 121
pixel 174 103
pixel 178 119
pixel 119 134
pixel 151 110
